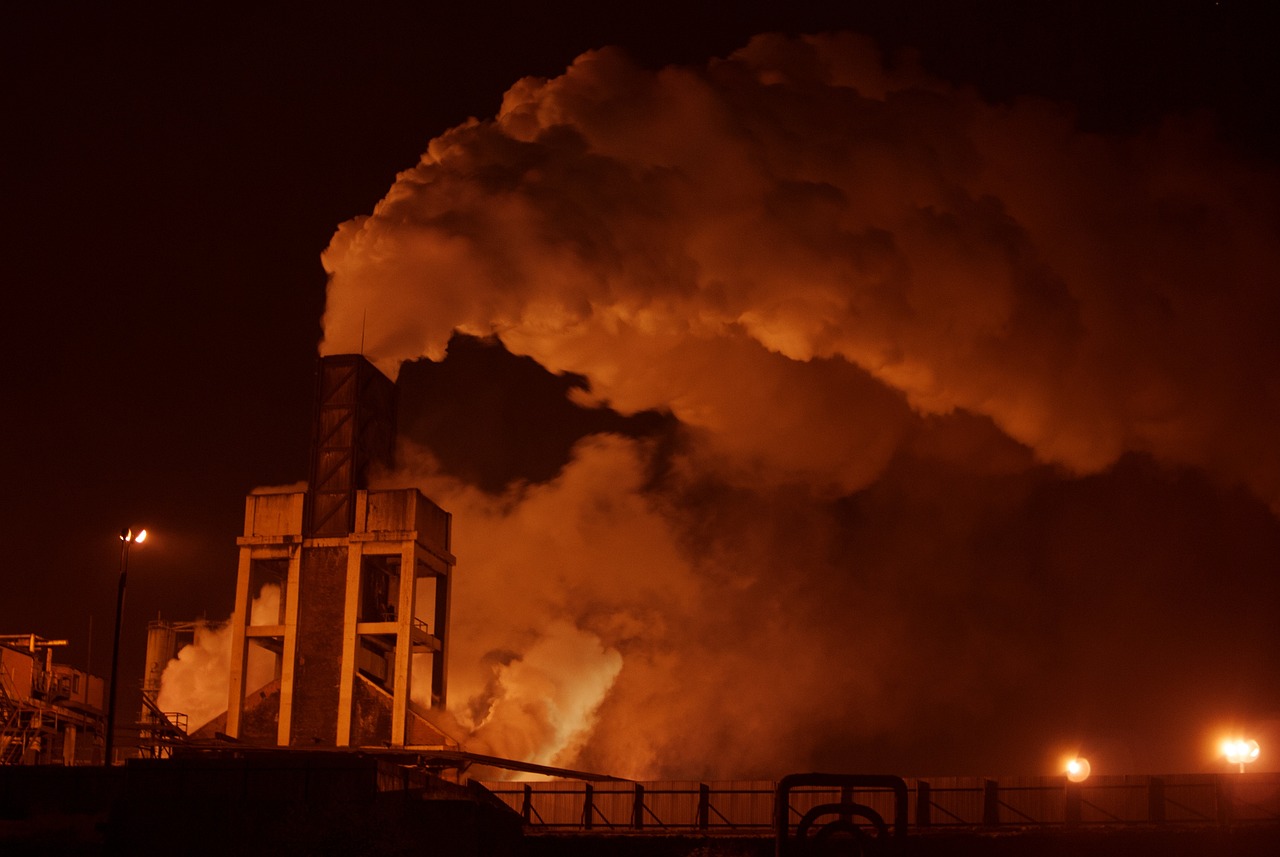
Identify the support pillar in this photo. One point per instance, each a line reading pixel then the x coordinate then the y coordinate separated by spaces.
pixel 239 646
pixel 288 658
pixel 350 642
pixel 401 685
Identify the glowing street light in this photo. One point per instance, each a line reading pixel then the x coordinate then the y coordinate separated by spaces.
pixel 1240 751
pixel 1078 769
pixel 127 537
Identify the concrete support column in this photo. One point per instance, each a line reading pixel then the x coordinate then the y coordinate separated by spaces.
pixel 351 612
pixel 239 645
pixel 402 683
pixel 440 628
pixel 288 659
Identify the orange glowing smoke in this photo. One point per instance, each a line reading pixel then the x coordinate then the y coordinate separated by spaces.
pixel 927 357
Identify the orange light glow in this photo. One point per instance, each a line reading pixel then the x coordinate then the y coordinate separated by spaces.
pixel 1240 751
pixel 1078 769
pixel 126 535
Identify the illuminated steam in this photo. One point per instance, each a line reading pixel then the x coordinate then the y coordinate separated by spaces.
pixel 196 681
pixel 937 365
pixel 650 230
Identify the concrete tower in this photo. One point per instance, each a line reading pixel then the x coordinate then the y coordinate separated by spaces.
pixel 363 580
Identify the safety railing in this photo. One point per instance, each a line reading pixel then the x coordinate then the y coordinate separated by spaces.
pixel 748 806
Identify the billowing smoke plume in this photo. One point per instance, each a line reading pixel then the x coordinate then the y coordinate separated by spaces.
pixel 973 417
pixel 195 682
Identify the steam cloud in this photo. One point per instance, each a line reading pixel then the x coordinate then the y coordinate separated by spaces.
pixel 196 682
pixel 970 406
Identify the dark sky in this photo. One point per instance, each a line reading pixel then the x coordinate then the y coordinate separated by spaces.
pixel 172 175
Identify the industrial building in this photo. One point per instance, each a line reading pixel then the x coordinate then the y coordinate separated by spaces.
pixel 339 644
pixel 363 578
pixel 327 744
pixel 50 713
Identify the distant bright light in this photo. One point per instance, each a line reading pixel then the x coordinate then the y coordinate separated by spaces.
pixel 1078 769
pixel 1240 751
pixel 126 535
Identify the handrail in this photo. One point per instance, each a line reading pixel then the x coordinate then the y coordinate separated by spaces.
pixel 567 804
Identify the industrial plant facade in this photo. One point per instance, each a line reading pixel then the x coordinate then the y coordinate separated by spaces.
pixel 358 615
pixel 342 593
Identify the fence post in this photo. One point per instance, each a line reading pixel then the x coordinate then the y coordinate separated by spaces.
pixel 990 803
pixel 1074 804
pixel 704 806
pixel 1224 796
pixel 1155 800
pixel 637 808
pixel 924 804
pixel 526 810
pixel 588 810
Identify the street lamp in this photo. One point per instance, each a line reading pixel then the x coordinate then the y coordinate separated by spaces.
pixel 127 537
pixel 1240 751
pixel 1078 769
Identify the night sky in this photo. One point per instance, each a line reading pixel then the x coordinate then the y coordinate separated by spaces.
pixel 971 589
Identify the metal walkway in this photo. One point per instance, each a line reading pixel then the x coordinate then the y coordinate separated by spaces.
pixel 934 804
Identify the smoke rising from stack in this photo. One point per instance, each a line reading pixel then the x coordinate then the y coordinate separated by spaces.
pixel 973 417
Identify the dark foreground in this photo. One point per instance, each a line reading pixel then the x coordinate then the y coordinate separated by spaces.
pixel 1261 840
pixel 338 804
pixel 85 836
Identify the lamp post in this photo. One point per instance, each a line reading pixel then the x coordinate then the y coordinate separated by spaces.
pixel 127 537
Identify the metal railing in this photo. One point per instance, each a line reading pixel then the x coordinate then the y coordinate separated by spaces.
pixel 934 804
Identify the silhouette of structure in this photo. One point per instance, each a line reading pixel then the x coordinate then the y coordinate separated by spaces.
pixel 50 713
pixel 340 626
pixel 364 581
